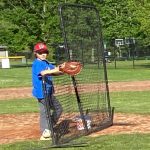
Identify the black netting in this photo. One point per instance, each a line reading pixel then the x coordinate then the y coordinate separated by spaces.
pixel 85 97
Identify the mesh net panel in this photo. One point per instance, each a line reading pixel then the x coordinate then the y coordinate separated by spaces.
pixel 84 97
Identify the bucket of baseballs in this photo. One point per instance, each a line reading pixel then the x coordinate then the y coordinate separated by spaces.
pixel 80 125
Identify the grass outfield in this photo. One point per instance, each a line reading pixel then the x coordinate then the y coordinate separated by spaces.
pixel 131 102
pixel 15 77
pixel 107 142
pixel 125 102
pixel 21 77
pixel 28 105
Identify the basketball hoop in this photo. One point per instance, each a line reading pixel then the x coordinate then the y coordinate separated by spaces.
pixel 119 42
pixel 129 41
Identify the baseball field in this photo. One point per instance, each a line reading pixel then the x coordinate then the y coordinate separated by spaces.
pixel 129 94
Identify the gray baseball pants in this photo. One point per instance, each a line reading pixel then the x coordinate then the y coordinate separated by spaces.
pixel 56 108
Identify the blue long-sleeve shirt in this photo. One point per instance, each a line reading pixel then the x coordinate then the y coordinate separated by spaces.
pixel 37 67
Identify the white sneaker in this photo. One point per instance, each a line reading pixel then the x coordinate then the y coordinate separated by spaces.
pixel 46 133
pixel 42 138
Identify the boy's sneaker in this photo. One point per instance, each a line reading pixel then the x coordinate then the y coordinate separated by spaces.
pixel 46 135
pixel 42 138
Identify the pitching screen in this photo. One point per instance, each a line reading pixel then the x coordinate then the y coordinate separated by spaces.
pixel 84 97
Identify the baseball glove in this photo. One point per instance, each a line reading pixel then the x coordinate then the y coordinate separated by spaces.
pixel 72 68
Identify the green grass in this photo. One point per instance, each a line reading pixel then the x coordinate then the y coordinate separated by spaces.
pixel 125 102
pixel 21 77
pixel 137 64
pixel 131 102
pixel 125 72
pixel 15 77
pixel 107 142
pixel 18 106
pixel 128 74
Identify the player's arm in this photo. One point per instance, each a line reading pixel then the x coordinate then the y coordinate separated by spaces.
pixel 70 68
pixel 55 71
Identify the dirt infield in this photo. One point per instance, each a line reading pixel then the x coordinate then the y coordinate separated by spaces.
pixel 25 126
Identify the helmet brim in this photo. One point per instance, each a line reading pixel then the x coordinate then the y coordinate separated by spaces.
pixel 41 51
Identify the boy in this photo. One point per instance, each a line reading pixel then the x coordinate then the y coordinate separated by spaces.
pixel 41 67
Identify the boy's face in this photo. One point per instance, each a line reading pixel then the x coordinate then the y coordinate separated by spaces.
pixel 41 55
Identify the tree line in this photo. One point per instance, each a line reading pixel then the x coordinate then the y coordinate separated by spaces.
pixel 25 22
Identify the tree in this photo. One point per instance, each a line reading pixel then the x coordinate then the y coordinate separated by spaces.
pixel 26 22
pixel 142 14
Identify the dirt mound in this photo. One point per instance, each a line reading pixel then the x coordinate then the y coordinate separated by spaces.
pixel 25 126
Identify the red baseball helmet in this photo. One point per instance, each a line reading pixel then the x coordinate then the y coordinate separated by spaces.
pixel 40 47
